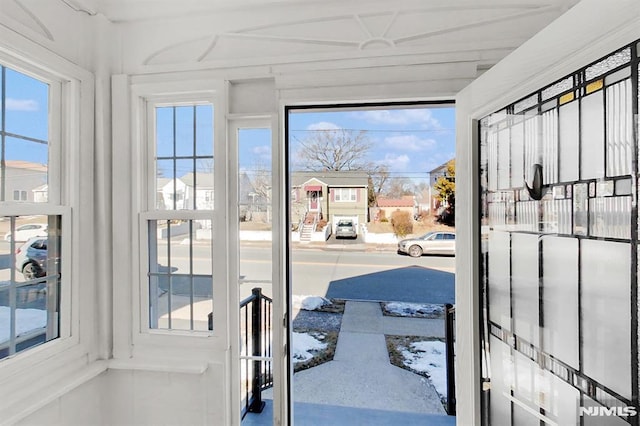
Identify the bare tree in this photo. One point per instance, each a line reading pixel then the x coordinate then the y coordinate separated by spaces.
pixel 398 187
pixel 378 177
pixel 261 180
pixel 341 149
pixel 335 149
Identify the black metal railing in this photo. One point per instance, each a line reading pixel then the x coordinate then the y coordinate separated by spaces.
pixel 255 352
pixel 450 340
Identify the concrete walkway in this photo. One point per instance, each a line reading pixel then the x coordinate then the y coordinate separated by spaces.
pixel 361 375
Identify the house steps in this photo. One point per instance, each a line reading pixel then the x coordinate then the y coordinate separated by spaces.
pixel 306 232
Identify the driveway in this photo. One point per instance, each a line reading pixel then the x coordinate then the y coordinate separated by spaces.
pixel 347 241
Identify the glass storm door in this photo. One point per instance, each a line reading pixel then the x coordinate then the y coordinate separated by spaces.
pixel 559 230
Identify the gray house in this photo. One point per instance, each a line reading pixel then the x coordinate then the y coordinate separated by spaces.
pixel 25 181
pixel 330 196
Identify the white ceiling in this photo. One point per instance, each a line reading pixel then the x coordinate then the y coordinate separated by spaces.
pixel 457 33
pixel 144 10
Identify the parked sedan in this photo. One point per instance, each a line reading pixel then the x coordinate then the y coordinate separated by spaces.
pixel 31 258
pixel 429 243
pixel 24 232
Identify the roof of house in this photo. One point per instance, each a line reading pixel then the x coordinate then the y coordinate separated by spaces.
pixel 441 168
pixel 405 201
pixel 332 178
pixel 202 180
pixel 27 165
pixel 162 181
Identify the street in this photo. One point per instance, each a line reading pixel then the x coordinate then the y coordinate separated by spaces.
pixel 359 275
pixel 335 271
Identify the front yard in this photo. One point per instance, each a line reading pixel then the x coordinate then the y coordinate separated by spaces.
pixel 419 228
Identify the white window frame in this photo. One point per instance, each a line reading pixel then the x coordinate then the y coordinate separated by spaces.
pixel 339 192
pixel 70 177
pixel 145 95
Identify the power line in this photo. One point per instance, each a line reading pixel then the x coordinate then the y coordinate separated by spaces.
pixel 374 131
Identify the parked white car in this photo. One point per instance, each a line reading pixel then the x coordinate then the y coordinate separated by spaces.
pixel 429 243
pixel 29 230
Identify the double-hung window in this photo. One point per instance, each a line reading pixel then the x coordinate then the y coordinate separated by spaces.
pixel 31 223
pixel 345 194
pixel 179 215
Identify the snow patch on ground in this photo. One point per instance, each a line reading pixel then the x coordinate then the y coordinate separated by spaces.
pixel 26 320
pixel 303 346
pixel 309 303
pixel 414 309
pixel 429 357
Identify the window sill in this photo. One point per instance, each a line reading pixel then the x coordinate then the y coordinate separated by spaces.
pixel 159 366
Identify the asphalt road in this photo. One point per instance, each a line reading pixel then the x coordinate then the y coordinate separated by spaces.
pixel 357 275
pixel 338 270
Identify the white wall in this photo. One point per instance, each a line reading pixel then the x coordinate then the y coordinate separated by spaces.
pixel 120 397
pixel 585 33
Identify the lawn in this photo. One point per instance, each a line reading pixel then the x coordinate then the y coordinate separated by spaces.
pixel 419 228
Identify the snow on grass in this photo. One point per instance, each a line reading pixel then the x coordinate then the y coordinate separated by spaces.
pixel 309 303
pixel 26 320
pixel 422 310
pixel 429 357
pixel 303 346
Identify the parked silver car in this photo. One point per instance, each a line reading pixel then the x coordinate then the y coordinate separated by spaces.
pixel 429 243
pixel 346 228
pixel 31 258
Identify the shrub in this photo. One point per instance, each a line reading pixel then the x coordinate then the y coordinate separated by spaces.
pixel 384 219
pixel 448 216
pixel 402 223
pixel 321 224
pixel 422 216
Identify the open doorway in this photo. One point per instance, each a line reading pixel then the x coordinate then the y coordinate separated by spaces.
pixel 371 253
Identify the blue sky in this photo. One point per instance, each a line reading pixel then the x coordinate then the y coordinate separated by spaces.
pixel 27 110
pixel 410 142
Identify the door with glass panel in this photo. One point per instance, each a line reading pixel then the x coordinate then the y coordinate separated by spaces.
pixel 559 187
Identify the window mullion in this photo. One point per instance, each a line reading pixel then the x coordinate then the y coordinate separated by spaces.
pixel 3 178
pixel 175 174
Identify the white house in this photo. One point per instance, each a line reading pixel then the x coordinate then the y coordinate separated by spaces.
pixel 183 192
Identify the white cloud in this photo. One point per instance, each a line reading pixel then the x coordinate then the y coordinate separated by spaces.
pixel 21 104
pixel 263 150
pixel 409 143
pixel 395 162
pixel 421 117
pixel 323 125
